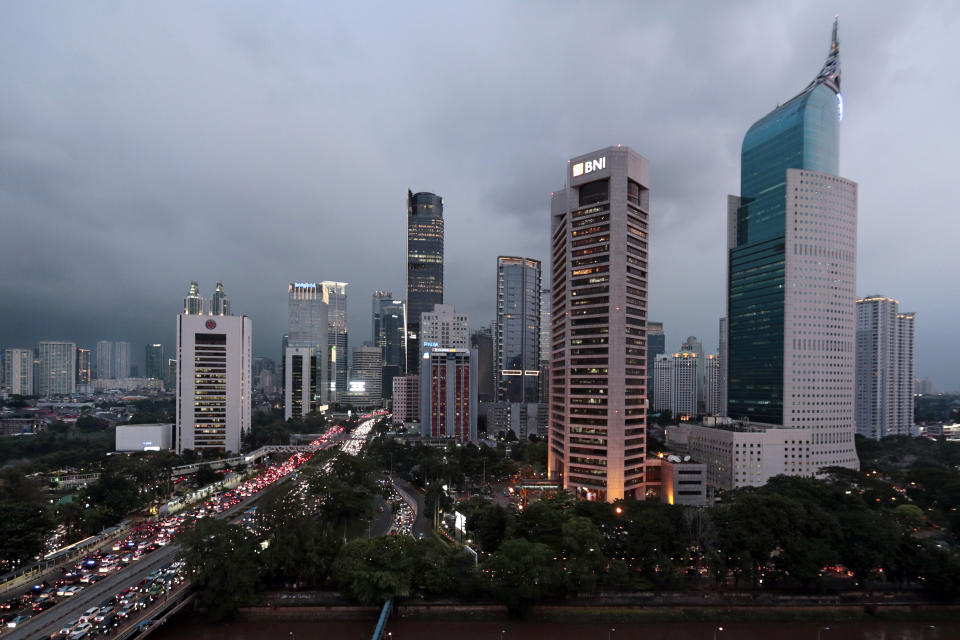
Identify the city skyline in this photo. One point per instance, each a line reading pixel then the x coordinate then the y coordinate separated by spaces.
pixel 120 166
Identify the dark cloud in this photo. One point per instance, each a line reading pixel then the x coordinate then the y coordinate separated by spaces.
pixel 142 146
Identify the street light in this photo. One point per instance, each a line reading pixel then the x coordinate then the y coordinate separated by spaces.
pixel 610 633
pixel 821 630
pixel 503 634
pixel 715 629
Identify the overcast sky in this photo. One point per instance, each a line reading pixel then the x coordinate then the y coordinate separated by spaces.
pixel 143 145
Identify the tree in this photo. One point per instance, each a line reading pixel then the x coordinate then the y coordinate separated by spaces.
pixel 23 530
pixel 490 525
pixel 374 570
pixel 206 475
pixel 523 573
pixel 223 564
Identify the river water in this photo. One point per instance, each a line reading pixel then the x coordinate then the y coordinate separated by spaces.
pixel 185 629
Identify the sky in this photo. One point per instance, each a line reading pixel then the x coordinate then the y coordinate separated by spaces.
pixel 144 145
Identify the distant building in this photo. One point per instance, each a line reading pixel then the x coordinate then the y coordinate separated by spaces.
pixel 923 386
pixel 424 273
pixel 308 327
pixel 448 394
pixel 364 388
pixel 84 366
pixel 18 371
pixel 105 360
pixel 58 368
pixel 389 326
pixel 154 362
pixel 482 341
pixel 723 355
pixel 214 381
pixel 677 480
pixel 406 398
pixel 170 381
pixel 711 386
pixel 335 295
pixel 884 368
pixel 443 327
pixel 219 302
pixel 194 304
pixel 121 360
pixel 656 344
pixel 300 385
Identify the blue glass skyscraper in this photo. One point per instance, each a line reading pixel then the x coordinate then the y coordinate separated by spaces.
pixel 801 134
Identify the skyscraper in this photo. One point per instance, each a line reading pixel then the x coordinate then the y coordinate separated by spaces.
pixel 723 356
pixel 448 394
pixel 194 304
pixel 121 360
pixel 18 371
pixel 518 329
pixel 656 344
pixel 792 274
pixel 365 388
pixel 219 303
pixel 442 327
pixel 58 368
pixel 482 341
pixel 213 381
pixel 84 366
pixel 155 365
pixel 884 399
pixel 424 265
pixel 306 341
pixel 711 386
pixel 335 295
pixel 693 345
pixel 104 360
pixel 598 231
pixel 389 334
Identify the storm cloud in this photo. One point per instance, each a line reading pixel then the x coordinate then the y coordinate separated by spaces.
pixel 143 145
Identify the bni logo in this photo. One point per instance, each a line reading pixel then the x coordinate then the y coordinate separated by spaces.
pixel 589 166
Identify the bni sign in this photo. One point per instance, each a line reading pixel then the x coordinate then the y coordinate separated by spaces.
pixel 582 168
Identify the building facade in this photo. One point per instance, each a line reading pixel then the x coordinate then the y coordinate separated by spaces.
pixel 155 363
pixel 366 378
pixel 406 398
pixel 662 383
pixel 448 394
pixel 424 272
pixel 335 295
pixel 442 327
pixel 84 366
pixel 389 334
pixel 884 368
pixel 214 381
pixel 711 385
pixel 58 368
pixel 307 345
pixel 792 274
pixel 482 341
pixel 656 344
pixel 193 303
pixel 219 302
pixel 18 371
pixel 599 235
pixel 105 360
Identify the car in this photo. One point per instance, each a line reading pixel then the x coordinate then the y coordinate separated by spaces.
pixel 106 611
pixel 16 622
pixel 89 613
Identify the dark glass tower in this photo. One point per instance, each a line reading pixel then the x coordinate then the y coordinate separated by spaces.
pixel 799 134
pixel 424 264
pixel 518 329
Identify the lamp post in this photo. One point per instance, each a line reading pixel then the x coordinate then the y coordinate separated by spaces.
pixel 821 630
pixel 503 634
pixel 715 630
pixel 610 633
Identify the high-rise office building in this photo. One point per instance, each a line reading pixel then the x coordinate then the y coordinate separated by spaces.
pixel 213 381
pixel 482 341
pixel 365 386
pixel 723 355
pixel 448 394
pixel 406 398
pixel 711 385
pixel 792 237
pixel 219 302
pixel 424 272
pixel 306 341
pixel 84 366
pixel 155 364
pixel 389 334
pixel 517 336
pixel 121 360
pixel 104 360
pixel 443 327
pixel 923 386
pixel 18 371
pixel 170 381
pixel 335 295
pixel 656 344
pixel 194 304
pixel 693 345
pixel 884 368
pixel 599 234
pixel 518 329
pixel 58 368
pixel 662 383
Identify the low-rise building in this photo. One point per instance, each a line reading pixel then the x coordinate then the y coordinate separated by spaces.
pixel 144 437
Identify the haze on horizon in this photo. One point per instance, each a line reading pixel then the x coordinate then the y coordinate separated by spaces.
pixel 146 145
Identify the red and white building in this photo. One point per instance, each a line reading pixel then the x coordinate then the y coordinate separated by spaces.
pixel 448 394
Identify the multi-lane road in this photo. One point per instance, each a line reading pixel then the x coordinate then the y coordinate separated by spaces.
pixel 51 621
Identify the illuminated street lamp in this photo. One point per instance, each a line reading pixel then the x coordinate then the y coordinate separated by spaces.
pixel 821 630
pixel 715 630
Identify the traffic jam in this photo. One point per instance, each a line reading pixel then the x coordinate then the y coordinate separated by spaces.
pixel 140 540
